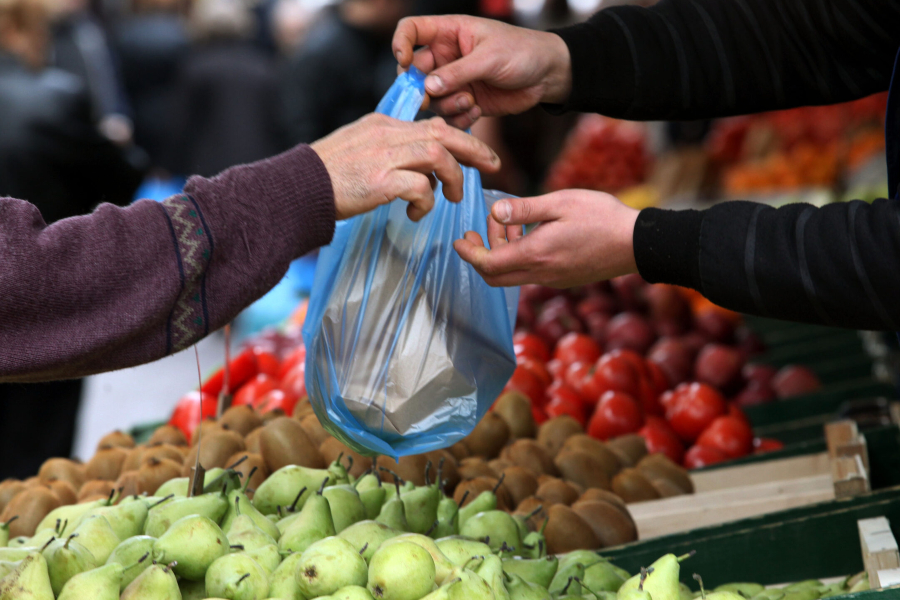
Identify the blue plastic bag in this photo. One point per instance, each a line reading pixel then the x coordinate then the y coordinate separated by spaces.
pixel 407 346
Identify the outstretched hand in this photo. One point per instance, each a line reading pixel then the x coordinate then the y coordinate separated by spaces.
pixel 583 237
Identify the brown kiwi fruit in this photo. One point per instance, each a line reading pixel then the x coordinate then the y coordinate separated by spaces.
pixel 593 494
pixel 631 445
pixel 498 464
pixel 246 466
pixel 553 433
pixel 163 451
pixel 207 427
pixel 536 511
pixel 331 448
pixel 666 488
pixel 64 491
pixel 115 439
pixel 632 486
pixel 515 408
pixel 577 487
pixel 314 429
pixel 65 469
pixel 97 487
pixel 217 447
pixel 530 455
pixel 251 440
pixel 241 419
pixel 488 437
pixel 608 523
pixel 410 468
pixel 460 450
pixel 449 473
pixel 520 482
pixel 557 491
pixel 8 490
pixel 656 466
pixel 271 415
pixel 128 484
pixel 30 506
pixel 156 471
pixel 168 434
pixel 475 466
pixel 133 460
pixel 566 531
pixel 302 408
pixel 583 468
pixel 598 449
pixel 106 464
pixel 284 442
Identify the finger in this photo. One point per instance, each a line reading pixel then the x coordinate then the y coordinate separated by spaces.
pixel 453 105
pixel 496 233
pixel 411 187
pixel 429 156
pixel 514 232
pixel 524 211
pixel 466 120
pixel 424 60
pixel 412 32
pixel 505 259
pixel 465 148
pixel 459 73
pixel 426 102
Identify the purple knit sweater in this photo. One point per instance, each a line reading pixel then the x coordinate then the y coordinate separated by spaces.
pixel 125 286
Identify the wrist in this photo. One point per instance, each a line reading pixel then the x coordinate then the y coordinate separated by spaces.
pixel 625 241
pixel 558 76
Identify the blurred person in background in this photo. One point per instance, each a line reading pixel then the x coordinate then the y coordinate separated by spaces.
pixel 151 42
pixel 291 20
pixel 342 69
pixel 225 105
pixel 52 154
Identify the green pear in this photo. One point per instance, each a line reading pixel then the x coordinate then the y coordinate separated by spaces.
pixel 442 592
pixel 420 506
pixel 339 472
pixel 65 559
pixel 64 519
pixel 97 535
pixel 684 592
pixel 662 581
pixel 41 538
pixel 799 594
pixel 346 506
pixel 729 595
pixel 239 504
pixel 520 589
pixel 7 567
pixel 567 579
pixel 352 592
pixel 403 571
pixel 4 532
pixel 192 590
pixel 442 564
pixel 497 526
pixel 460 550
pixel 539 571
pixel 237 577
pixel 491 570
pixel 634 594
pixel 393 514
pixel 192 543
pixel 392 491
pixel 246 533
pixel 29 581
pixel 267 556
pixel 178 487
pixel 101 583
pixel 13 554
pixel 167 511
pixel 369 481
pixel 373 499
pixel 447 518
pixel 469 587
pixel 367 537
pixel 313 524
pixel 329 565
pixel 157 582
pixel 283 582
pixel 129 554
pixel 282 524
pixel 601 577
pixel 534 544
pixel 860 586
pixel 20 541
pixel 747 590
pixel 484 502
pixel 127 520
pixel 584 557
pixel 281 487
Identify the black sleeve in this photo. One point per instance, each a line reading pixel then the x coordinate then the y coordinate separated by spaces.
pixel 694 59
pixel 837 265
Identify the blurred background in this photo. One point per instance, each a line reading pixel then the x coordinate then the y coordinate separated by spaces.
pixel 115 100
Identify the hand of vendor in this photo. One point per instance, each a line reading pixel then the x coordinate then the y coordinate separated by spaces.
pixel 582 237
pixel 483 67
pixel 377 159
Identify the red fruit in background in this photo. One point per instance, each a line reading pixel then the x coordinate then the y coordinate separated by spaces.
pixel 629 289
pixel 716 325
pixel 266 362
pixel 695 410
pixel 293 358
pixel 735 411
pixel 701 456
pixel 649 398
pixel 525 381
pixel 191 409
pixel 580 377
pixel 525 315
pixel 601 302
pixel 529 344
pixel 295 381
pixel 577 347
pixel 754 393
pixel 637 361
pixel 674 358
pixel 241 368
pixel 794 380
pixel 729 435
pixel 616 414
pixel 534 293
pixel 562 390
pixel 616 372
pixel 538 414
pixel 563 405
pixel 758 373
pixel 596 324
pixel 253 389
pixel 718 365
pixel 668 328
pixel 657 377
pixel 629 330
pixel 276 399
pixel 761 445
pixel 538 368
pixel 749 343
pixel 552 328
pixel 557 369
pixel 666 303
pixel 660 439
pixel 693 341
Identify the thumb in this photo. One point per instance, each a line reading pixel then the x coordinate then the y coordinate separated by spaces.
pixel 455 75
pixel 524 211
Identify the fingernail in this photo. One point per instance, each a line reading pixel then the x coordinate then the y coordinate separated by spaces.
pixel 494 158
pixel 475 113
pixel 503 211
pixel 399 56
pixel 434 85
pixel 463 103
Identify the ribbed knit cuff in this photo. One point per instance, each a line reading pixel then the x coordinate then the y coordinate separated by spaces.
pixel 667 246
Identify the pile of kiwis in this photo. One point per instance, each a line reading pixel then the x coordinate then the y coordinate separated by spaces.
pixel 554 473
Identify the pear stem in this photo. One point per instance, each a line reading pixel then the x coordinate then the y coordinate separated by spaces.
pixel 169 497
pixel 237 505
pixel 11 519
pixel 565 589
pixel 533 513
pixel 237 546
pixel 427 473
pixel 541 542
pixel 684 557
pixel 499 483
pixel 293 506
pixel 69 539
pixel 363 549
pixel 504 547
pixel 349 462
pixel 56 529
pixel 644 573
pixel 432 528
pixel 249 477
pixel 471 558
pixel 396 477
pixel 245 576
pixel 322 487
pixel 143 558
pixel 397 485
pixel 581 581
pixel 440 475
pixel 109 500
pixel 237 462
pixel 50 541
pixel 700 581
pixel 462 500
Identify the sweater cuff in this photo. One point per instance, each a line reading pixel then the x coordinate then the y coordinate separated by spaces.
pixel 667 246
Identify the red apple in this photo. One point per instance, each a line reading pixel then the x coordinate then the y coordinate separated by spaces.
pixel 718 365
pixel 674 358
pixel 794 380
pixel 596 324
pixel 629 290
pixel 715 325
pixel 761 374
pixel 754 393
pixel 599 303
pixel 666 303
pixel 749 342
pixel 629 330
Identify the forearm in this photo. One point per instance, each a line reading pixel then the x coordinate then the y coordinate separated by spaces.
pixel 835 265
pixel 124 286
pixel 694 59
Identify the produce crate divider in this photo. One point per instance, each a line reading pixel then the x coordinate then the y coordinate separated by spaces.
pixel 879 551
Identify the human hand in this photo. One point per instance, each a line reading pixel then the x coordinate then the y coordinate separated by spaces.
pixel 483 67
pixel 377 159
pixel 583 237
